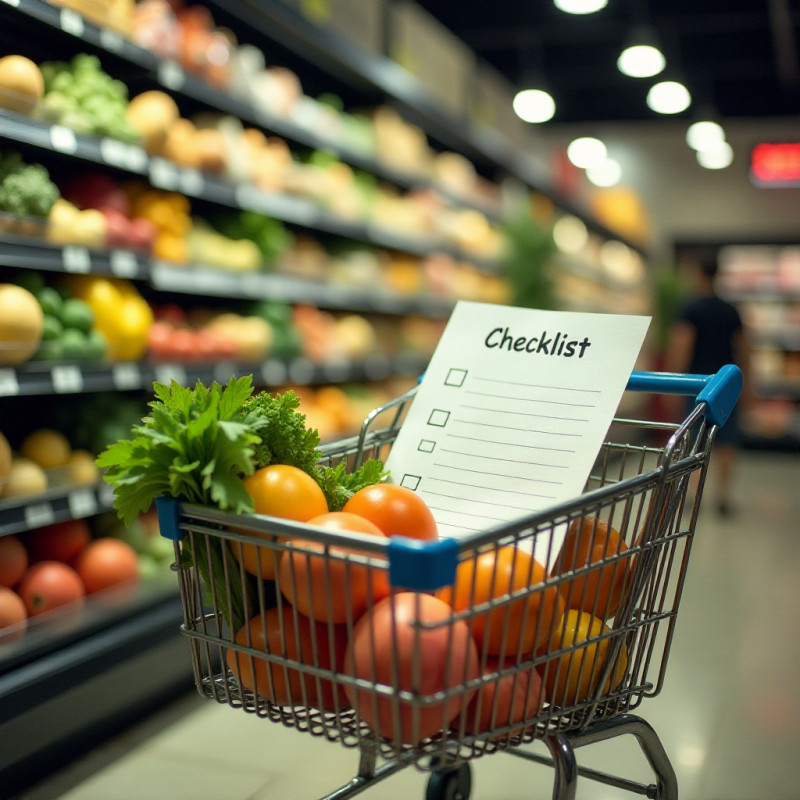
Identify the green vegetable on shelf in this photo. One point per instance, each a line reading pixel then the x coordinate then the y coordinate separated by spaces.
pixel 25 189
pixel 270 235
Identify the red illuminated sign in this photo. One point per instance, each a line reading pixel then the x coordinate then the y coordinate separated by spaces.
pixel 775 164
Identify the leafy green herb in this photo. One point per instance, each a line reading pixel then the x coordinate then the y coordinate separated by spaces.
pixel 339 485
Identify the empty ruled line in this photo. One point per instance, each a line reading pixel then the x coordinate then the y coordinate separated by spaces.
pixel 469 513
pixel 512 428
pixel 470 500
pixel 499 458
pixel 459 527
pixel 521 413
pixel 537 385
pixel 510 444
pixel 491 488
pixel 533 400
pixel 496 474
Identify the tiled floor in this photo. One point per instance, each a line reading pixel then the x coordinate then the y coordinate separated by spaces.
pixel 729 714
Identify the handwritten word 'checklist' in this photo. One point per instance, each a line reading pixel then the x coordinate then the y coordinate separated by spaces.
pixel 512 411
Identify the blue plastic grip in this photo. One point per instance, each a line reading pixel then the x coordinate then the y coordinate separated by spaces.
pixel 719 391
pixel 168 510
pixel 422 566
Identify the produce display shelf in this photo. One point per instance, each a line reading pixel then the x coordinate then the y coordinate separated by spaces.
pixel 62 378
pixel 172 77
pixel 340 59
pixel 166 175
pixel 19 514
pixel 28 253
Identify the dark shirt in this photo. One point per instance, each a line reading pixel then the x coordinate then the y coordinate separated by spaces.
pixel 715 323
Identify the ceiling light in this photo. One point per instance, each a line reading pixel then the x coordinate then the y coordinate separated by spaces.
pixel 586 151
pixel 580 6
pixel 534 105
pixel 718 158
pixel 668 97
pixel 606 173
pixel 705 135
pixel 641 61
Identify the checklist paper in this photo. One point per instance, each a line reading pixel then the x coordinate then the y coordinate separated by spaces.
pixel 512 411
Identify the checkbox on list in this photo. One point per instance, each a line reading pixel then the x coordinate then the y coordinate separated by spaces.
pixel 410 481
pixel 455 377
pixel 438 417
pixel 426 445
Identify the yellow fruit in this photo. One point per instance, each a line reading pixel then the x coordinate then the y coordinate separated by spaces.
pixel 25 478
pixel 21 323
pixel 150 114
pixel 21 84
pixel 47 448
pixel 5 459
pixel 81 468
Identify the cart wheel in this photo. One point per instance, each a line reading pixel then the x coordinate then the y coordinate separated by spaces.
pixel 450 784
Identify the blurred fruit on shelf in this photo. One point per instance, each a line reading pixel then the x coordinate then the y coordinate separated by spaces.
pixel 114 14
pixel 25 189
pixel 207 247
pixel 48 585
pixel 5 460
pixel 21 84
pixel 269 235
pixel 64 541
pixel 67 224
pixel 14 560
pixel 46 447
pixel 25 478
pixel 21 324
pixel 13 614
pixel 151 114
pixel 106 562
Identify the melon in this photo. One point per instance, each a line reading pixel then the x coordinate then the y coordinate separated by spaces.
pixel 21 324
pixel 21 84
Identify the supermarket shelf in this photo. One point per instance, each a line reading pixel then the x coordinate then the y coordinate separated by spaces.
pixel 166 175
pixel 56 505
pixel 173 78
pixel 27 253
pixel 776 387
pixel 40 378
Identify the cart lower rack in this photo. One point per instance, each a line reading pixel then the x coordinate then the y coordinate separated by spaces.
pixel 553 627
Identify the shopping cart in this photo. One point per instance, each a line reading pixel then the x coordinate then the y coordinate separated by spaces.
pixel 402 684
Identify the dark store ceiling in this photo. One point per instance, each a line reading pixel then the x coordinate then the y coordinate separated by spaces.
pixel 738 56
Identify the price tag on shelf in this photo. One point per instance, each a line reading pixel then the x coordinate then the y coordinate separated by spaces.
pixel 71 22
pixel 273 372
pixel 67 379
pixel 163 175
pixel 377 366
pixel 111 40
pixel 112 151
pixel 249 197
pixel 13 3
pixel 76 259
pixel 82 503
pixel 9 384
pixel 126 376
pixel 301 371
pixel 136 158
pixel 337 370
pixel 165 373
pixel 106 495
pixel 39 514
pixel 123 264
pixel 171 75
pixel 63 139
pixel 191 181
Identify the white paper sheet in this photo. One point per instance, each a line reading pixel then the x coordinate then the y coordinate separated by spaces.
pixel 512 411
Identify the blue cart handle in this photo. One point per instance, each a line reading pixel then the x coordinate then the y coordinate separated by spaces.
pixel 719 391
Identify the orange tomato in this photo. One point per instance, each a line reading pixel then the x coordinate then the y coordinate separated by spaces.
pixel 574 676
pixel 391 648
pixel 589 540
pixel 13 560
pixel 48 585
pixel 325 587
pixel 63 541
pixel 105 563
pixel 283 634
pixel 281 491
pixel 516 626
pixel 396 510
pixel 12 612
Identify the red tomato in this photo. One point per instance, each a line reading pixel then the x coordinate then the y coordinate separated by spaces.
pixel 504 701
pixel 159 339
pixel 325 587
pixel 278 491
pixel 517 626
pixel 388 647
pixel 396 510
pixel 48 585
pixel 63 541
pixel 105 563
pixel 12 612
pixel 591 541
pixel 13 560
pixel 287 635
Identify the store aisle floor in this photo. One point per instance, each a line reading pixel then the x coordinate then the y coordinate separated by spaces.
pixel 729 714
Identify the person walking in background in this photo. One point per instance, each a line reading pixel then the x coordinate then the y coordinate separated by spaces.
pixel 706 334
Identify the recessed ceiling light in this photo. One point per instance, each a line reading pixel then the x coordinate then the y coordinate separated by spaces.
pixel 534 105
pixel 718 158
pixel 580 6
pixel 641 61
pixel 668 97
pixel 705 135
pixel 586 151
pixel 606 173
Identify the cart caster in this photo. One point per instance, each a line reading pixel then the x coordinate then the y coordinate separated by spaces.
pixel 450 784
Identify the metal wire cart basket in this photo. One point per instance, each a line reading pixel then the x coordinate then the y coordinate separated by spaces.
pixel 556 626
